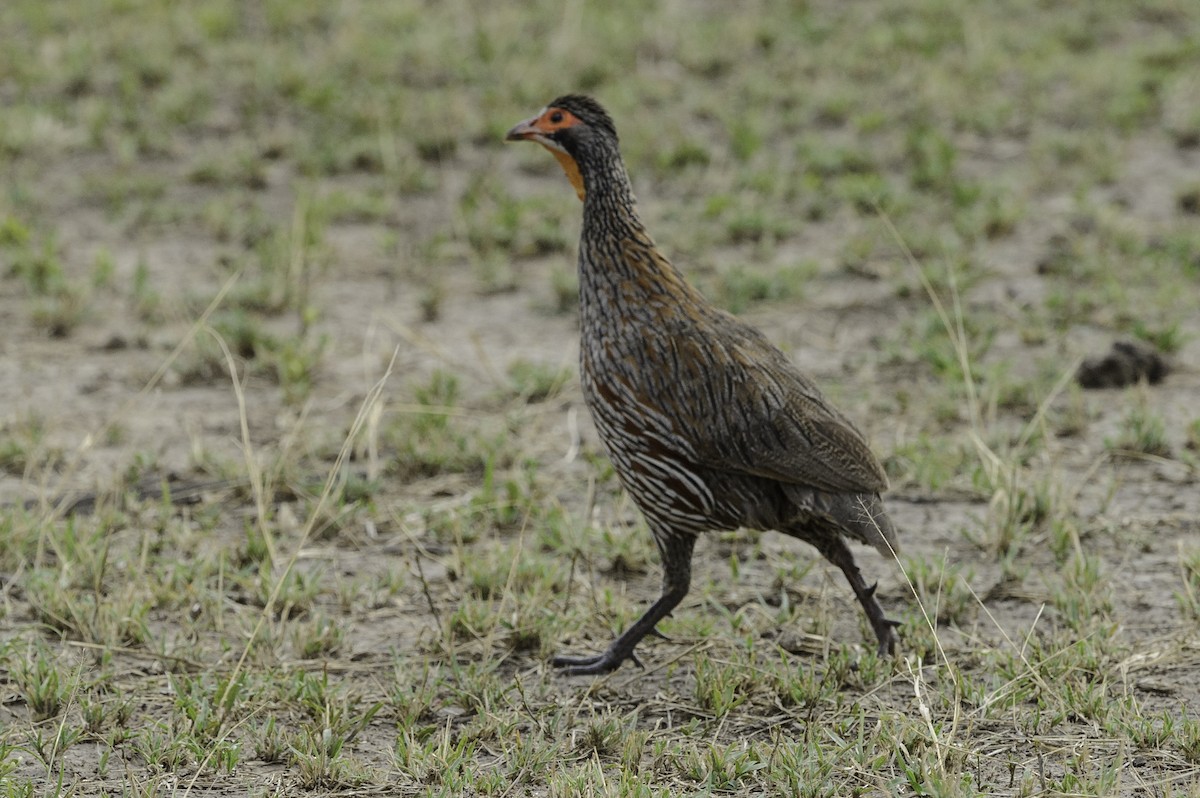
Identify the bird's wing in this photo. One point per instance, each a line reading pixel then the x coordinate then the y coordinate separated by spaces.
pixel 763 417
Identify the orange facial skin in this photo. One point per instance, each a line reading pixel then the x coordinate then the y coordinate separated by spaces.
pixel 541 129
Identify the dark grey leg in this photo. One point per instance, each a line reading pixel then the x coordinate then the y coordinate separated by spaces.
pixel 676 553
pixel 838 553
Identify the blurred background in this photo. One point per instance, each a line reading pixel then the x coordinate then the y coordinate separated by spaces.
pixel 222 222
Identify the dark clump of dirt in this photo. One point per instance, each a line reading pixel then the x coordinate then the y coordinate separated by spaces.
pixel 1125 364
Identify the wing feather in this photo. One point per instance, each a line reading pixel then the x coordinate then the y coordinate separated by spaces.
pixel 765 418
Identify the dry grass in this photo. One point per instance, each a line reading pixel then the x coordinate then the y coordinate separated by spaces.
pixel 281 303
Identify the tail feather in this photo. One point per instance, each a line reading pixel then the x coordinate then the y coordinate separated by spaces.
pixel 860 516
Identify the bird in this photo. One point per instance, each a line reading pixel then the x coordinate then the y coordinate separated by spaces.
pixel 708 425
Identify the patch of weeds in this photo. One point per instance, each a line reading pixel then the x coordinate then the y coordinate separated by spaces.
pixel 162 749
pixel 537 382
pixel 254 550
pixel 21 445
pixel 802 687
pixel 240 167
pixel 1063 537
pixel 110 711
pixel 623 550
pixel 49 742
pixel 683 155
pixel 147 302
pixel 724 768
pixel 296 594
pixel 337 712
pixel 357 207
pixel 269 742
pixel 603 735
pixel 321 762
pixel 1091 155
pixel 293 363
pixel 499 226
pixel 60 315
pixel 104 269
pixel 242 333
pixel 1134 100
pixel 528 580
pixel 113 619
pixel 508 502
pixel 14 233
pixel 41 268
pixel 1086 773
pixel 282 263
pixel 1084 597
pixel 1074 418
pixel 1189 595
pixel 434 436
pixel 414 693
pixel 526 758
pixel 1142 432
pixel 754 224
pixel 1187 739
pixel 437 758
pixel 721 687
pixel 740 288
pixel 1019 505
pixel 931 156
pixel 60 305
pixel 931 462
pixel 1168 338
pixel 78 600
pixel 995 216
pixel 117 190
pixel 42 684
pixel 824 160
pixel 317 637
pixel 297 363
pixel 745 137
pixel 934 345
pixel 944 590
pixel 494 274
pixel 868 194
pixel 1193 436
pixel 430 300
pixel 564 286
pixel 201 707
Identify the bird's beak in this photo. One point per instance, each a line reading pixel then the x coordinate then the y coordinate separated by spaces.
pixel 524 131
pixel 529 131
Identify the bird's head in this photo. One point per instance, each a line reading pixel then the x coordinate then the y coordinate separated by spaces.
pixel 569 127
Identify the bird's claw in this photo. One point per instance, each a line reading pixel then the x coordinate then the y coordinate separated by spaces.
pixel 886 634
pixel 591 666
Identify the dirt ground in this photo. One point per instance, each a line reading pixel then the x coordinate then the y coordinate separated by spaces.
pixel 1137 515
pixel 109 405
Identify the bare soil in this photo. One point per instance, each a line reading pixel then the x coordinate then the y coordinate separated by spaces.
pixel 1139 513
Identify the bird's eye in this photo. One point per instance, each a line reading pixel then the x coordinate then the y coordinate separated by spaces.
pixel 556 117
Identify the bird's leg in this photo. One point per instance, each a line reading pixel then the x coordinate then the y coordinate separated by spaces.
pixel 838 553
pixel 677 576
pixel 621 649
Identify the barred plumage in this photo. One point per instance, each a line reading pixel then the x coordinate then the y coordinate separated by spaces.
pixel 708 426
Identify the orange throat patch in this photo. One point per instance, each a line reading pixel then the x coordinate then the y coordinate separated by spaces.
pixel 572 169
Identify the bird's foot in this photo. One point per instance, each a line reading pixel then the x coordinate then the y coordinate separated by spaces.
pixel 885 632
pixel 600 664
pixel 587 665
pixel 883 626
